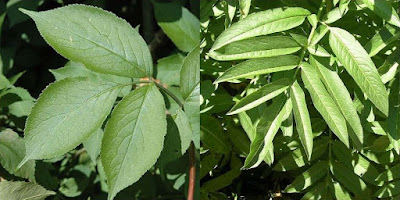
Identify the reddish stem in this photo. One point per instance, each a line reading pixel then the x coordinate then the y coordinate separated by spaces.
pixel 192 172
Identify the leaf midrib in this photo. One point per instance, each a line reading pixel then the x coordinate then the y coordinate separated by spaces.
pixel 94 42
pixel 354 61
pixel 233 38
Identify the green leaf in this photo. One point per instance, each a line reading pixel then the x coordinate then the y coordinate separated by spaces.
pixel 384 37
pixel 192 110
pixel 99 39
pixel 260 96
pixel 77 69
pixel 308 178
pixel 340 192
pixel 253 67
pixel 190 73
pixel 266 130
pixel 259 47
pixel 169 69
pixel 12 151
pixel 384 10
pixel 223 180
pixel 320 191
pixel 212 135
pixel 179 24
pixel 360 66
pixel 389 190
pixel 302 118
pixel 339 93
pixel 185 130
pixel 21 108
pixel 23 190
pixel 393 119
pixel 389 68
pixel 336 13
pixel 66 113
pixel 133 137
pixel 350 180
pixel 324 103
pixel 390 174
pixel 298 158
pixel 262 23
pixel 93 144
pixel 320 32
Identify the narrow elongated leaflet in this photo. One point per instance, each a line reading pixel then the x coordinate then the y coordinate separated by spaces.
pixel 339 93
pixel 99 39
pixel 190 73
pixel 384 37
pixel 258 47
pixel 12 151
pixel 266 129
pixel 23 191
pixel 340 192
pixel 324 103
pixel 133 137
pixel 360 66
pixel 260 96
pixel 393 119
pixel 308 178
pixel 302 118
pixel 66 113
pixel 384 10
pixel 262 23
pixel 253 67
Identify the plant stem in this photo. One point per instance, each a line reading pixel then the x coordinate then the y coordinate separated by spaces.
pixel 303 53
pixel 192 172
pixel 169 93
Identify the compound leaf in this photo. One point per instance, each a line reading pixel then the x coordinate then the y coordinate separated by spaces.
pixel 99 39
pixel 133 137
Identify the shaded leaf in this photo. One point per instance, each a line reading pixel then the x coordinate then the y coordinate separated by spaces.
pixel 23 191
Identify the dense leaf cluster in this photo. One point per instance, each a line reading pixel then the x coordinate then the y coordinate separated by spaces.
pixel 314 87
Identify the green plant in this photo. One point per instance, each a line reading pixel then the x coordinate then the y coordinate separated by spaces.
pixel 110 71
pixel 316 91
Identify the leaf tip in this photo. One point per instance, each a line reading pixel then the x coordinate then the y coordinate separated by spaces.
pixel 26 12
